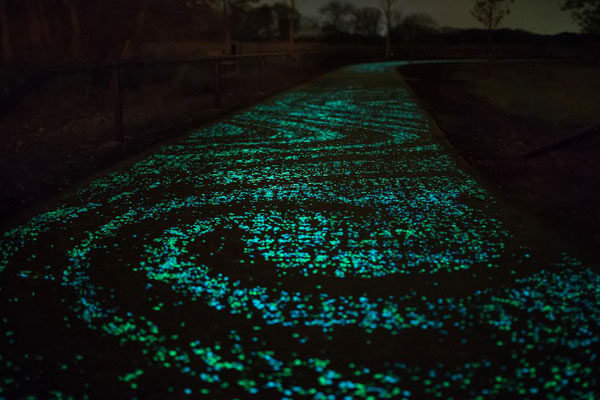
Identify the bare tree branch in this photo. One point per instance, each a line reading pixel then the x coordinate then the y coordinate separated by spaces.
pixel 490 13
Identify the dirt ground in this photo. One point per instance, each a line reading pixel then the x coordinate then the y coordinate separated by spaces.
pixel 495 113
pixel 64 131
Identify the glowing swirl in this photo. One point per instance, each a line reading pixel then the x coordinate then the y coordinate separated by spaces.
pixel 321 245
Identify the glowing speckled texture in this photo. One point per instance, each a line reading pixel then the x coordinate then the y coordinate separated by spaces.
pixel 324 244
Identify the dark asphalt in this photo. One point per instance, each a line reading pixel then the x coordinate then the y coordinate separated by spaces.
pixel 324 244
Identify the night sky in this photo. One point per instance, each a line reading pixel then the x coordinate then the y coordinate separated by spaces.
pixel 541 16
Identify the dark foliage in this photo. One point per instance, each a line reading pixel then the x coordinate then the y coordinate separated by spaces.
pixel 586 13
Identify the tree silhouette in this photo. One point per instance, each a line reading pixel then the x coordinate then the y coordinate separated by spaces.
pixel 415 26
pixel 293 14
pixel 138 25
pixel 586 13
pixel 490 13
pixel 73 8
pixel 7 52
pixel 337 16
pixel 389 11
pixel 50 32
pixel 366 21
pixel 226 8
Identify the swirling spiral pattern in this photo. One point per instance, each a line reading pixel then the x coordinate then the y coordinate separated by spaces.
pixel 325 244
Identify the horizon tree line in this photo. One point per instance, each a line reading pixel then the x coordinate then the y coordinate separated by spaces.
pixel 73 30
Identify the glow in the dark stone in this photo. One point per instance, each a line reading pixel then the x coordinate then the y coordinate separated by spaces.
pixel 320 245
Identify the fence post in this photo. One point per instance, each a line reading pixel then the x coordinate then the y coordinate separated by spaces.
pixel 119 130
pixel 262 75
pixel 218 100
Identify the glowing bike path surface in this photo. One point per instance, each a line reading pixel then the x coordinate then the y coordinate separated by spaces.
pixel 325 244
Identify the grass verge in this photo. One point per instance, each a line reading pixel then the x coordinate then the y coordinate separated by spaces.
pixel 493 113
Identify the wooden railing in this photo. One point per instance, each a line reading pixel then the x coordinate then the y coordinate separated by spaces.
pixel 218 65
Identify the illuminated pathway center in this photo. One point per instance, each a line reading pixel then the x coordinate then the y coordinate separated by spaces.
pixel 325 244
